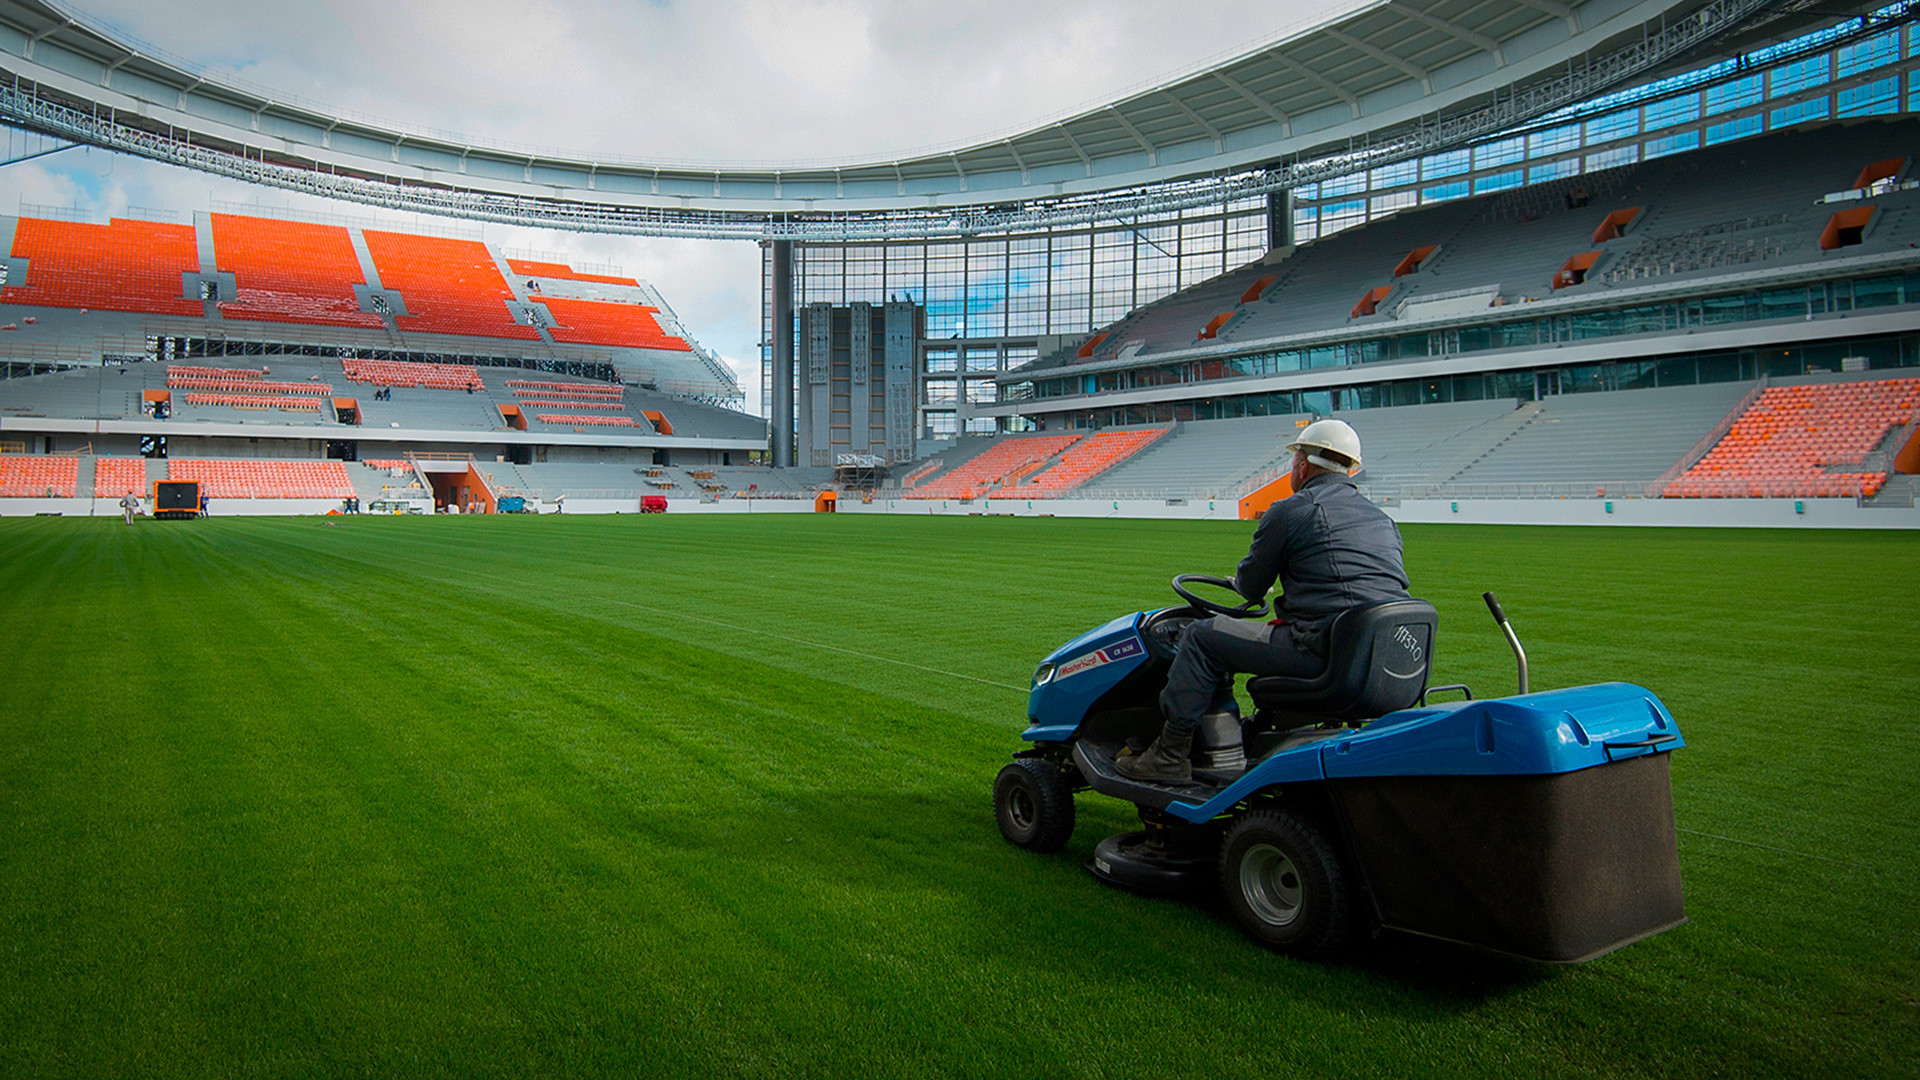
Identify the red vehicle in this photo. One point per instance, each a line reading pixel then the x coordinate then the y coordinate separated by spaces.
pixel 653 504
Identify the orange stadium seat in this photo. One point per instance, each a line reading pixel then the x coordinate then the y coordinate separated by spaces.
pixel 449 286
pixel 1784 443
pixel 31 476
pixel 596 421
pixel 121 266
pixel 265 479
pixel 407 374
pixel 114 477
pixel 992 466
pixel 289 271
pixel 1093 456
pixel 590 322
pixel 527 268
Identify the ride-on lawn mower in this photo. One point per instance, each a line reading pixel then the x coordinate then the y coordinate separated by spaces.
pixel 1539 825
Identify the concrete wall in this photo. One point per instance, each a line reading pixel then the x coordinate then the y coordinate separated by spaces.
pixel 1686 513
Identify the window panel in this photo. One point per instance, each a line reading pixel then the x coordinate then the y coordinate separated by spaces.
pixel 1735 95
pixel 1799 75
pixel 1672 144
pixel 1799 112
pixel 1679 110
pixel 1881 96
pixel 1733 129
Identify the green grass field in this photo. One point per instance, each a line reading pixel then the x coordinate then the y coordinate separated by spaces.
pixel 683 796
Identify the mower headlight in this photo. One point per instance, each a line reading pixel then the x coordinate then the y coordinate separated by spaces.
pixel 1042 675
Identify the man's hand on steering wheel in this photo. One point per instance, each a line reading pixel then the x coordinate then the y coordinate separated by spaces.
pixel 1246 609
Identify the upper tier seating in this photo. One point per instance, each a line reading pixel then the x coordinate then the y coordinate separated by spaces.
pixel 1083 461
pixel 449 286
pixel 590 421
pixel 591 322
pixel 405 373
pixel 257 401
pixel 528 268
pixel 289 271
pixel 539 386
pixel 121 266
pixel 193 372
pixel 240 379
pixel 1782 445
pixel 999 461
pixel 115 477
pixel 31 476
pixel 1745 205
pixel 265 479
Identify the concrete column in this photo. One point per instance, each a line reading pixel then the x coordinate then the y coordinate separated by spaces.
pixel 1279 219
pixel 780 410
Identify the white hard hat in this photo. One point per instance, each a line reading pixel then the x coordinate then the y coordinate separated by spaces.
pixel 1336 439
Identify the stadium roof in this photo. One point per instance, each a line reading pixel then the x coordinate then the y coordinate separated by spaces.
pixel 1390 80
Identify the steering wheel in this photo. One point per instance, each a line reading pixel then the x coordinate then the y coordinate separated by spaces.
pixel 1247 609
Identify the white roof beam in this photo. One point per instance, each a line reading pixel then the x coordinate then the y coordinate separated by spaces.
pixel 1319 80
pixel 1454 30
pixel 1085 161
pixel 1153 152
pixel 1025 177
pixel 106 77
pixel 1278 117
pixel 35 39
pixel 1219 144
pixel 1556 9
pixel 1382 55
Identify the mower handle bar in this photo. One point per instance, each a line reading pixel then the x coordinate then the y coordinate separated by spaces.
pixel 1513 640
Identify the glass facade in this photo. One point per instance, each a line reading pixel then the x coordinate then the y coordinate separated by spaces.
pixel 1526 384
pixel 1797 302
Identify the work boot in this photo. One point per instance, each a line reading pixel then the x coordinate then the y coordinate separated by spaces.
pixel 1165 762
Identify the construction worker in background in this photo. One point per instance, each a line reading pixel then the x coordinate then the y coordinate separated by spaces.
pixel 1329 548
pixel 129 506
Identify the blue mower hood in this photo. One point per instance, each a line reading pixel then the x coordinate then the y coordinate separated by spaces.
pixel 1555 731
pixel 1073 676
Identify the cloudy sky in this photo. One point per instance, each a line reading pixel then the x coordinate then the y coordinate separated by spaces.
pixel 759 80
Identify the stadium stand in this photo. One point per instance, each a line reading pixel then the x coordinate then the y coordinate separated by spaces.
pixel 1001 461
pixel 1083 461
pixel 1577 444
pixel 124 265
pixel 289 271
pixel 1199 459
pixel 405 373
pixel 529 268
pixel 449 286
pixel 1727 208
pixel 592 322
pixel 1784 443
pixel 32 476
pixel 227 479
pixel 115 477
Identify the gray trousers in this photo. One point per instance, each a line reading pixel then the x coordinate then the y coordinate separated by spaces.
pixel 1211 651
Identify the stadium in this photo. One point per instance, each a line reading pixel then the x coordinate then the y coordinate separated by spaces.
pixel 479 720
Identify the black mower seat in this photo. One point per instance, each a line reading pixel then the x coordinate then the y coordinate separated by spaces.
pixel 1379 656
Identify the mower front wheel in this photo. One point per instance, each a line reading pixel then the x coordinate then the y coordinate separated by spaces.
pixel 1034 805
pixel 1285 883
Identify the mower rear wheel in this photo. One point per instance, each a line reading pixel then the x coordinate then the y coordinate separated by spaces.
pixel 1285 883
pixel 1034 805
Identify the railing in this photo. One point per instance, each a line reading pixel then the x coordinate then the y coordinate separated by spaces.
pixel 1707 442
pixel 1600 489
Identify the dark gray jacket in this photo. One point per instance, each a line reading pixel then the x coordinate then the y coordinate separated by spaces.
pixel 1331 550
